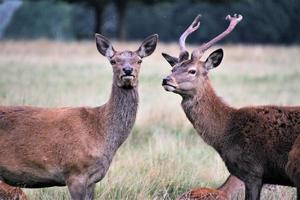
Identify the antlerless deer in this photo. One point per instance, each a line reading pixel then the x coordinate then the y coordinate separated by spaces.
pixel 43 147
pixel 259 145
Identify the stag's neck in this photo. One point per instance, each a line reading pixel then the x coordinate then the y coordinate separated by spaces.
pixel 232 186
pixel 120 113
pixel 208 114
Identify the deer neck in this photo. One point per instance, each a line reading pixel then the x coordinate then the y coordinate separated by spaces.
pixel 208 114
pixel 120 113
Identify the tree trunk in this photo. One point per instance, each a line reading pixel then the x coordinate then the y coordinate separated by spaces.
pixel 98 18
pixel 121 7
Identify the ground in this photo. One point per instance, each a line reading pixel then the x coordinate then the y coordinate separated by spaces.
pixel 163 157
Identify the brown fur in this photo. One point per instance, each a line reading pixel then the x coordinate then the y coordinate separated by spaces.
pixel 8 192
pixel 225 192
pixel 260 145
pixel 254 142
pixel 42 147
pixel 204 194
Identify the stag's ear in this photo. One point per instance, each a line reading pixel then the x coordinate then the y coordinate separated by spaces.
pixel 104 46
pixel 148 46
pixel 214 59
pixel 171 60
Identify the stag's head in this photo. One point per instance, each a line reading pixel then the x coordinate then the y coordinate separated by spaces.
pixel 126 64
pixel 189 73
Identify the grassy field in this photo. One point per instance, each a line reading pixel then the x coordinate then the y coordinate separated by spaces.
pixel 163 156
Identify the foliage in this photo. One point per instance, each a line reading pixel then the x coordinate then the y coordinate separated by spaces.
pixel 41 19
pixel 268 21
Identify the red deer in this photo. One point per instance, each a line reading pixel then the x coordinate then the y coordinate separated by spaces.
pixel 259 144
pixel 44 147
pixel 8 192
pixel 230 188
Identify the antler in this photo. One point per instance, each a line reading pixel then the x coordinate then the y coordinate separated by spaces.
pixel 194 26
pixel 233 22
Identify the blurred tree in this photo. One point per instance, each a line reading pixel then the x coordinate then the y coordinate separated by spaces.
pixel 7 10
pixel 98 6
pixel 122 7
pixel 83 22
pixel 41 19
pixel 268 21
pixel 217 1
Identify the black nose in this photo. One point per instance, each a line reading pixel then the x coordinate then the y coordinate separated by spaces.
pixel 127 70
pixel 165 80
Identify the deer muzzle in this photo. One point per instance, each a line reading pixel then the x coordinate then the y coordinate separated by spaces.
pixel 169 84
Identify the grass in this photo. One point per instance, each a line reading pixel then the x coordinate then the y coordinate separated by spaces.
pixel 163 157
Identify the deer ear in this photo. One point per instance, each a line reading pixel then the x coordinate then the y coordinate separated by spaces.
pixel 214 59
pixel 170 59
pixel 148 46
pixel 104 46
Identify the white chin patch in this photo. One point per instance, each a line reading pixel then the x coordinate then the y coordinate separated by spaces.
pixel 169 88
pixel 127 78
pixel 127 81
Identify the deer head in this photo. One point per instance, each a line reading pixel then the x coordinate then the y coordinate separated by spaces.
pixel 126 64
pixel 188 74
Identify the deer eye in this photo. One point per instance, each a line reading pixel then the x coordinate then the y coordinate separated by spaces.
pixel 113 62
pixel 140 61
pixel 192 71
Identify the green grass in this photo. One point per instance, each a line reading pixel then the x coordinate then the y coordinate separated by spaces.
pixel 163 157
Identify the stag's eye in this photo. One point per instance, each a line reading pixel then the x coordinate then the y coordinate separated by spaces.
pixel 113 62
pixel 192 71
pixel 140 61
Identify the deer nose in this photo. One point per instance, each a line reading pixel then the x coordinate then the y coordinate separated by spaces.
pixel 127 70
pixel 166 80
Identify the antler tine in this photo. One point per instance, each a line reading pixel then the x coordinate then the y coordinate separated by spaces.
pixel 233 22
pixel 194 26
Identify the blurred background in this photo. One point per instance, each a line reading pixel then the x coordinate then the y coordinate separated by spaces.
pixel 48 58
pixel 267 21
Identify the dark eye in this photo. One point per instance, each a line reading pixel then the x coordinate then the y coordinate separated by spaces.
pixel 139 62
pixel 192 71
pixel 113 62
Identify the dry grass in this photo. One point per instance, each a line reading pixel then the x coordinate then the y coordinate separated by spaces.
pixel 163 156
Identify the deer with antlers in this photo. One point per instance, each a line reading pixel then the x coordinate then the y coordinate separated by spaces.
pixel 260 144
pixel 43 147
